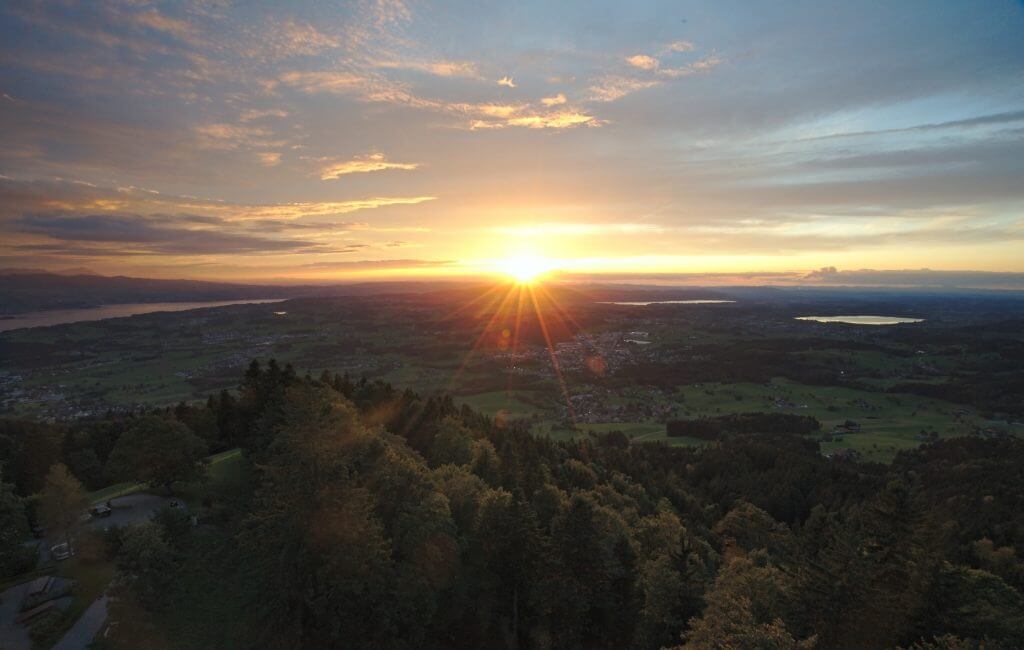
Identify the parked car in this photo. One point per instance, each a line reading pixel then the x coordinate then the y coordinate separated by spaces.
pixel 100 510
pixel 61 551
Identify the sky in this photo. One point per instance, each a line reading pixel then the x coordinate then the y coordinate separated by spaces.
pixel 268 141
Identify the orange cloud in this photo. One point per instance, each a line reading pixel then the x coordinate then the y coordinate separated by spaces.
pixel 374 162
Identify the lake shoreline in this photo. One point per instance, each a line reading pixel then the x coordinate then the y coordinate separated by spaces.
pixel 53 317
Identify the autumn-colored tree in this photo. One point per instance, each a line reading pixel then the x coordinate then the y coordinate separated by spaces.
pixel 62 502
pixel 744 610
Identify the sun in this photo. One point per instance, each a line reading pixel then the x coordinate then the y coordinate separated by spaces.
pixel 525 269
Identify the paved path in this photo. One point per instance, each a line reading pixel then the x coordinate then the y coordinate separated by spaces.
pixel 127 511
pixel 12 635
pixel 132 509
pixel 82 632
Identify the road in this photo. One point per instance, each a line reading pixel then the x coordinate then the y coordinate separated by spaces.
pixel 12 635
pixel 131 509
pixel 82 632
pixel 127 511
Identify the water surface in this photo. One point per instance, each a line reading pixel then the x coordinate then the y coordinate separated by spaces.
pixel 862 320
pixel 61 316
pixel 670 302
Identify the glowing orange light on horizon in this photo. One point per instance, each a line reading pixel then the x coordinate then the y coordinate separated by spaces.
pixel 525 268
pixel 526 297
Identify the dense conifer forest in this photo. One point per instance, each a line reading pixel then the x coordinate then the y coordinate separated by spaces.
pixel 363 516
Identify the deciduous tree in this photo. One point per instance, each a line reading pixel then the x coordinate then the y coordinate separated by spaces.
pixel 158 451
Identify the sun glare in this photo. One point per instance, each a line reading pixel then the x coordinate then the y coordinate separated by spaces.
pixel 525 269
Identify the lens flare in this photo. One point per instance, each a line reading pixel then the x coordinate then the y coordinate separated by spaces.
pixel 525 269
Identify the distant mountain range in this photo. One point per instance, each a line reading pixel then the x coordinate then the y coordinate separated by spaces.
pixel 25 290
pixel 22 290
pixel 78 270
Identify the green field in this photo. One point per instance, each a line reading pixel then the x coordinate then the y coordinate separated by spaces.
pixel 509 404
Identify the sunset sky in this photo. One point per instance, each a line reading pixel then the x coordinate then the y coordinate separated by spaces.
pixel 341 140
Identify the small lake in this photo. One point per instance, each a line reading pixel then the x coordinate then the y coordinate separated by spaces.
pixel 862 320
pixel 62 316
pixel 671 302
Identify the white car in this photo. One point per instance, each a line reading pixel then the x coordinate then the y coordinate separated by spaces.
pixel 61 551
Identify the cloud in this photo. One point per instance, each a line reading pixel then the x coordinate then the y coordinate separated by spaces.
pixel 697 67
pixel 916 278
pixel 374 162
pixel 506 81
pixel 326 81
pixel 235 136
pixel 549 229
pixel 125 234
pixel 180 29
pixel 678 46
pixel 823 272
pixel 550 120
pixel 438 68
pixel 643 62
pixel 301 209
pixel 269 158
pixel 557 100
pixel 255 114
pixel 20 197
pixel 289 38
pixel 612 87
pixel 981 120
pixel 481 115
pixel 367 265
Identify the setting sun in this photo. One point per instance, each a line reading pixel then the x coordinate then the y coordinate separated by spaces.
pixel 525 269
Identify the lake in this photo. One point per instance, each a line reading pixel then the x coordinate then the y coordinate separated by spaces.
pixel 862 320
pixel 61 316
pixel 670 302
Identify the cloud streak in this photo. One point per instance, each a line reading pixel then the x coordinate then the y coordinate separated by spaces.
pixel 374 162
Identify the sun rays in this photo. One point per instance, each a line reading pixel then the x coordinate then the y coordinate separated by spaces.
pixel 515 310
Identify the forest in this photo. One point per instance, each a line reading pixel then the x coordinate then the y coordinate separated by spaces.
pixel 368 517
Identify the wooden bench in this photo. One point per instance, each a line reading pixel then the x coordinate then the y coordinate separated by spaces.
pixel 36 611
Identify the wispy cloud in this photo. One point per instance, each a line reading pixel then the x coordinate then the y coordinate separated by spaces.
pixel 479 115
pixel 615 86
pixel 556 100
pixel 373 162
pixel 289 38
pixel 612 87
pixel 643 62
pixel 254 114
pixel 545 229
pixel 438 68
pixel 678 46
pixel 234 136
pixel 697 67
pixel 326 81
pixel 22 197
pixel 357 265
pixel 137 234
